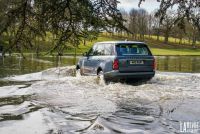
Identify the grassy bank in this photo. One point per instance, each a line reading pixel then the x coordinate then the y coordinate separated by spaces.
pixel 156 47
pixel 159 51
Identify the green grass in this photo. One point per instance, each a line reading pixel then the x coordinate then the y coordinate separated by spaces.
pixel 159 51
pixel 156 47
pixel 173 40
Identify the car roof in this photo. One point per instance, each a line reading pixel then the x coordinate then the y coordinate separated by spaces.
pixel 121 42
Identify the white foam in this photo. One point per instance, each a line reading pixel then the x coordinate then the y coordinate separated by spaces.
pixel 58 87
pixel 7 91
pixel 69 96
pixel 49 74
pixel 32 124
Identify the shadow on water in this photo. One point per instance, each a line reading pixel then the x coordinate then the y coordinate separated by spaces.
pixel 16 106
pixel 7 83
pixel 14 100
pixel 8 116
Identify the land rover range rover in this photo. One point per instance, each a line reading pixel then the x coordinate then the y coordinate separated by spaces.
pixel 117 60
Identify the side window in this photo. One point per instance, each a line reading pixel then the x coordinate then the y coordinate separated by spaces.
pixel 109 49
pixel 98 49
pixel 101 49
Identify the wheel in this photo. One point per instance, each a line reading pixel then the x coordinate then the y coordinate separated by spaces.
pixel 101 79
pixel 147 79
pixel 78 72
pixel 100 75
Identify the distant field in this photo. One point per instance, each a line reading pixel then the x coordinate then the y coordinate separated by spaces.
pixel 172 40
pixel 158 51
pixel 156 48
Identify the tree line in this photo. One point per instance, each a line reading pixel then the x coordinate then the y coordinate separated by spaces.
pixel 142 24
pixel 70 22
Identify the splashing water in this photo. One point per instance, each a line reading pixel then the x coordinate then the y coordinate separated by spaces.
pixel 55 101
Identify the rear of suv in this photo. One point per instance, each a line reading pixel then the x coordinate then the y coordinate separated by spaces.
pixel 118 60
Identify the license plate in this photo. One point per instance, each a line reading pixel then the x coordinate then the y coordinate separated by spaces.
pixel 136 62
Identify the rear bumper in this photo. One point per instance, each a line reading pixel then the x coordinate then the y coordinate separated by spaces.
pixel 132 75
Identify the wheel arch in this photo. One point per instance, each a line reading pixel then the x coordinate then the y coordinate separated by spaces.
pixel 77 67
pixel 99 69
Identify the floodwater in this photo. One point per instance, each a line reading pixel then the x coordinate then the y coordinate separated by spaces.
pixel 35 99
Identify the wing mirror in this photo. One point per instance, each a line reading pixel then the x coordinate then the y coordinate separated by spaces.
pixel 85 54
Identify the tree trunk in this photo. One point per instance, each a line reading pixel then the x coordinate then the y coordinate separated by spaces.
pixel 194 42
pixel 84 42
pixel 166 37
pixel 180 40
pixel 189 40
pixel 158 35
pixel 37 47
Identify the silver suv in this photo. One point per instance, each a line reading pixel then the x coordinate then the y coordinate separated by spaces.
pixel 118 60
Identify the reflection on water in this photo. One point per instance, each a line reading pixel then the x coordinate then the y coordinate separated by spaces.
pixel 178 63
pixel 13 65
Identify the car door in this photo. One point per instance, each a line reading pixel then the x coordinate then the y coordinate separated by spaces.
pixel 86 62
pixel 96 59
pixel 102 55
pixel 91 60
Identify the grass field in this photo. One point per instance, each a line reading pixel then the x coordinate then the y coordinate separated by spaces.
pixel 156 47
pixel 172 40
pixel 159 51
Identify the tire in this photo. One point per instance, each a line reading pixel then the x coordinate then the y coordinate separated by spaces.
pixel 148 79
pixel 78 72
pixel 100 76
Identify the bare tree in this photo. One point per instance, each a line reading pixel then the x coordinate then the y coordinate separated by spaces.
pixel 168 23
pixel 150 24
pixel 142 23
pixel 133 23
pixel 126 18
pixel 156 26
pixel 189 9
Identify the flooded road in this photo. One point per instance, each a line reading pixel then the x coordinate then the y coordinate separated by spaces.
pixel 56 101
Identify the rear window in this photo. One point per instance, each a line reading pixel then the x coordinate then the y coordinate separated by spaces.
pixel 132 49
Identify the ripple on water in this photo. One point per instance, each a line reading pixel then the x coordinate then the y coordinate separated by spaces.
pixel 81 105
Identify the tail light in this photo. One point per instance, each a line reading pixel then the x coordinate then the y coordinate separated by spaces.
pixel 154 64
pixel 116 64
